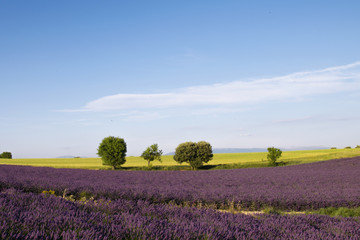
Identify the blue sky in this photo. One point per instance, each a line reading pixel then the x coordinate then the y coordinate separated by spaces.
pixel 238 74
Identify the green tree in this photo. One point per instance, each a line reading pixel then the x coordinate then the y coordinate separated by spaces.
pixel 7 155
pixel 196 154
pixel 273 155
pixel 204 151
pixel 112 151
pixel 152 153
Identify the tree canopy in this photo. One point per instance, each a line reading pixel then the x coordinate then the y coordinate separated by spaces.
pixel 152 153
pixel 112 151
pixel 273 155
pixel 7 155
pixel 196 154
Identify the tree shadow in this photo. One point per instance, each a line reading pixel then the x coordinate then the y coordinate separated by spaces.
pixel 208 167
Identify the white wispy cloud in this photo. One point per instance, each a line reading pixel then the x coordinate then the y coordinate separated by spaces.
pixel 137 115
pixel 236 93
pixel 315 118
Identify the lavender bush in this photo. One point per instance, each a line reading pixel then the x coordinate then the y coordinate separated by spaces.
pixel 309 186
pixel 39 216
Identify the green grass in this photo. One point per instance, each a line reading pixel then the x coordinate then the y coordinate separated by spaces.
pixel 330 211
pixel 220 161
pixel 338 212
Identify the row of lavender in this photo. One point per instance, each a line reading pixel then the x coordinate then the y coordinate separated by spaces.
pixel 36 216
pixel 310 186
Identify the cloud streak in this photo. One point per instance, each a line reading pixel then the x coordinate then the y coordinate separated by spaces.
pixel 237 93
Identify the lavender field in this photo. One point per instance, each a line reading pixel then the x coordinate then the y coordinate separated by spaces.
pixel 160 205
pixel 309 186
pixel 32 216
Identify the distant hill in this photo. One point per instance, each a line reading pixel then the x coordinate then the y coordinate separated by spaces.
pixel 251 150
pixel 69 156
pixel 238 150
pixel 232 150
